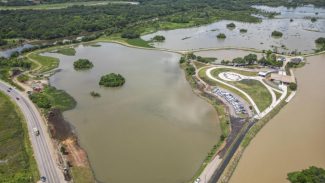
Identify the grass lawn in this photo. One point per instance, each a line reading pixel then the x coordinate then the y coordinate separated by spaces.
pixel 82 175
pixel 67 51
pixel 133 42
pixel 47 63
pixel 257 91
pixel 198 65
pixel 17 163
pixel 59 98
pixel 217 71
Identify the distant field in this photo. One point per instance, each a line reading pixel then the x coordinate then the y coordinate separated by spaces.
pixel 64 5
pixel 16 156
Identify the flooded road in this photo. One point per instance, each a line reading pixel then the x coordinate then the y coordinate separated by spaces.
pixel 294 139
pixel 151 130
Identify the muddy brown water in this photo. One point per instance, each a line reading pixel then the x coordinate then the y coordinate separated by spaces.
pixel 151 130
pixel 294 139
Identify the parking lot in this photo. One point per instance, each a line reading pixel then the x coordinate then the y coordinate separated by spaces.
pixel 231 99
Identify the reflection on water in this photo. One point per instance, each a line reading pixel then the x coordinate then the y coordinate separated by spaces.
pixel 294 139
pixel 297 35
pixel 153 129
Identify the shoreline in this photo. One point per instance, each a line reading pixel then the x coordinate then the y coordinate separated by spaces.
pixel 181 52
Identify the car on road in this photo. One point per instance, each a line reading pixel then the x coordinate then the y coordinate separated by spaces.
pixel 8 90
pixel 36 131
pixel 17 98
pixel 43 179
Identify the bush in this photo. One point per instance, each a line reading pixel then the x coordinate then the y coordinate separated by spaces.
pixel 313 19
pixel 23 78
pixel 158 38
pixel 293 86
pixel 182 60
pixel 82 64
pixel 221 36
pixel 320 40
pixel 40 100
pixel 231 25
pixel 243 30
pixel 277 34
pixel 112 80
pixel 3 42
pixel 190 70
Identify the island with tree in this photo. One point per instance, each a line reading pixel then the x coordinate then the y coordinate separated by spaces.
pixel 82 64
pixel 231 26
pixel 221 36
pixel 277 34
pixel 112 80
pixel 312 174
pixel 158 38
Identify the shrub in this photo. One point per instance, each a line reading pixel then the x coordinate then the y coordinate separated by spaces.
pixel 231 25
pixel 158 38
pixel 221 36
pixel 40 100
pixel 112 80
pixel 293 86
pixel 82 64
pixel 277 34
pixel 130 35
pixel 243 30
pixel 320 40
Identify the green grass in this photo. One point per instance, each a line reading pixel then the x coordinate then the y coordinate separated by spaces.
pixel 47 63
pixel 199 65
pixel 257 91
pixel 59 98
pixel 5 76
pixel 67 51
pixel 57 5
pixel 139 42
pixel 82 175
pixel 133 42
pixel 15 147
pixel 217 71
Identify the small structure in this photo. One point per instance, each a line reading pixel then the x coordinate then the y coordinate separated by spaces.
pixel 262 74
pixel 281 59
pixel 282 78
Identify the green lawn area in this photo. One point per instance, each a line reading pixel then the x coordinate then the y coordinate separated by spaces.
pixel 59 98
pixel 133 42
pixel 198 65
pixel 17 163
pixel 67 51
pixel 47 63
pixel 217 71
pixel 82 175
pixel 257 91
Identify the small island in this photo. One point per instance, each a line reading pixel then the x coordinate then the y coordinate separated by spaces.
pixel 231 25
pixel 112 80
pixel 82 64
pixel 94 94
pixel 277 34
pixel 313 19
pixel 221 36
pixel 243 30
pixel 158 38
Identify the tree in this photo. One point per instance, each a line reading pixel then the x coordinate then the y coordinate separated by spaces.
pixel 313 19
pixel 190 70
pixel 320 40
pixel 239 61
pixel 293 86
pixel 112 80
pixel 311 175
pixel 158 38
pixel 3 42
pixel 221 36
pixel 82 64
pixel 231 25
pixel 243 30
pixel 277 34
pixel 250 58
pixel 130 35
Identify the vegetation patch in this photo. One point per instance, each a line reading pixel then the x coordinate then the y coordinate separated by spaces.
pixel 46 63
pixel 277 34
pixel 231 26
pixel 243 30
pixel 94 94
pixel 312 174
pixel 221 36
pixel 112 80
pixel 82 64
pixel 23 78
pixel 67 51
pixel 158 38
pixel 16 155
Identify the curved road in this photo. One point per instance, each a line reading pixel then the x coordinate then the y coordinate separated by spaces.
pixel 42 145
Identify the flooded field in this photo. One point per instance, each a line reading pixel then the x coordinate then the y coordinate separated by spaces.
pixel 298 35
pixel 294 139
pixel 153 129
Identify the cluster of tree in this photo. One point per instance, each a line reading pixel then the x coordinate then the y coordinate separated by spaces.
pixel 293 86
pixel 158 38
pixel 246 60
pixel 221 36
pixel 321 44
pixel 243 30
pixel 14 62
pixel 41 100
pixel 270 60
pixel 112 80
pixel 189 69
pixel 130 35
pixel 82 64
pixel 205 59
pixel 231 25
pixel 277 34
pixel 311 175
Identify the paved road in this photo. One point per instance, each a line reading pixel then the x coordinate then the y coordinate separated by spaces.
pixel 42 145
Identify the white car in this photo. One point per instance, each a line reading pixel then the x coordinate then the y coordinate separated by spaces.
pixel 197 180
pixel 36 131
